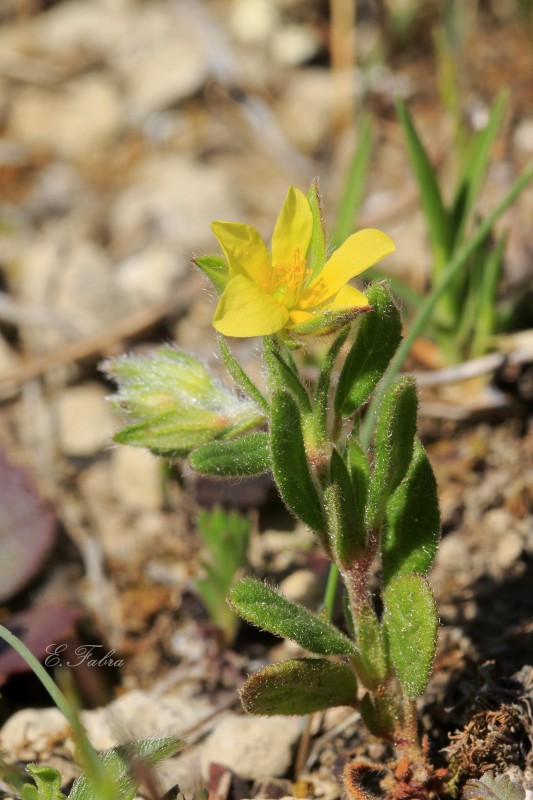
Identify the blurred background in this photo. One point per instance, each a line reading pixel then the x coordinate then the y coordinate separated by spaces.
pixel 126 127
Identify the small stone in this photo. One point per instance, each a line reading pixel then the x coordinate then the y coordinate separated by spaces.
pixel 252 747
pixel 84 421
pixel 150 274
pixel 136 478
pixel 174 200
pixel 70 29
pixel 32 732
pixel 253 21
pixel 166 74
pixel 302 586
pixel 308 96
pixel 86 116
pixel 523 136
pixel 294 45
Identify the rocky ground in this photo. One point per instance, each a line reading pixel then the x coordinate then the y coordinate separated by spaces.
pixel 126 127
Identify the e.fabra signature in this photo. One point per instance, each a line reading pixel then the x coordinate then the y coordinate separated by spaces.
pixel 88 654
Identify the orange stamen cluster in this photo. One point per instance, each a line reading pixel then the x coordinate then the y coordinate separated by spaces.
pixel 289 278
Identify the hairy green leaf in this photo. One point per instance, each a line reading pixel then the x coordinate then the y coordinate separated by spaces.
pixel 299 686
pixel 393 443
pixel 289 462
pixel 240 377
pixel 412 522
pixel 346 515
pixel 316 257
pixel 47 784
pixel 371 660
pixel 265 607
pixel 282 376
pixel 378 334
pixel 124 764
pixel 233 458
pixel 411 622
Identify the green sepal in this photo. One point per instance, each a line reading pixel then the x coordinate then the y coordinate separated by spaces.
pixel 411 623
pixel 281 375
pixel 324 323
pixel 371 661
pixel 299 686
pixel 412 521
pixel 316 257
pixel 377 337
pixel 264 606
pixel 233 458
pixel 393 443
pixel 240 377
pixel 47 784
pixel 123 762
pixel 174 434
pixel 289 462
pixel 215 269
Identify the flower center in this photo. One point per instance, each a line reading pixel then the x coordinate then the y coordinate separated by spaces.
pixel 288 278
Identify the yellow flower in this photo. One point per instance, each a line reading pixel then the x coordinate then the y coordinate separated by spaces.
pixel 268 292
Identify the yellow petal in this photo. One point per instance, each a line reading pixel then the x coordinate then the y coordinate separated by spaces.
pixel 244 310
pixel 293 230
pixel 245 251
pixel 348 297
pixel 360 251
pixel 298 316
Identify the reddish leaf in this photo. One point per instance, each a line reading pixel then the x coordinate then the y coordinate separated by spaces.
pixel 40 627
pixel 27 529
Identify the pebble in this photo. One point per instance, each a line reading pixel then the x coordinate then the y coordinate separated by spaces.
pixel 308 96
pixel 252 747
pixel 150 274
pixel 86 116
pixel 172 199
pixel 523 136
pixel 302 586
pixel 136 478
pixel 84 421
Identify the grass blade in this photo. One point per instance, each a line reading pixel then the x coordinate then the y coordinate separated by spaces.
pixel 352 198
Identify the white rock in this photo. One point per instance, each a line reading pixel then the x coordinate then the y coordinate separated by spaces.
pixel 294 44
pixel 149 275
pixel 32 731
pixel 306 109
pixel 253 747
pixel 523 136
pixel 74 122
pixel 253 21
pixel 172 71
pixel 136 478
pixel 173 199
pixel 84 421
pixel 302 586
pixel 68 28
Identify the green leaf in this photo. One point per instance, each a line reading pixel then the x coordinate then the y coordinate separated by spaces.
pixel 289 462
pixel 394 441
pixel 437 216
pixel 240 377
pixel 299 686
pixel 233 458
pixel 265 607
pixel 371 661
pixel 489 787
pixel 323 386
pixel 354 189
pixel 174 434
pixel 411 623
pixel 349 532
pixel 283 376
pixel 378 334
pixel 412 523
pixel 475 167
pixel 215 269
pixel 225 536
pixel 48 784
pixel 484 321
pixel 359 469
pixel 316 257
pixel 123 764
